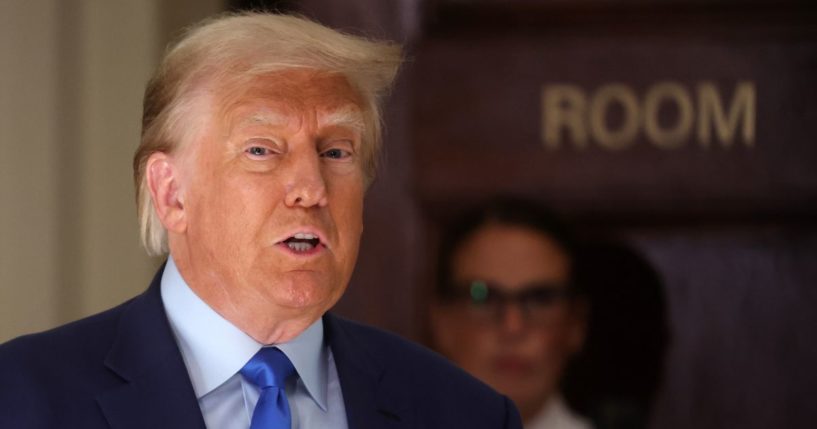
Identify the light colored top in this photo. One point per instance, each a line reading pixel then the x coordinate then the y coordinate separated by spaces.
pixel 556 415
pixel 214 350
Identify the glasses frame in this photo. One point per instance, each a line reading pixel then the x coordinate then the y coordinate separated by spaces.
pixel 538 302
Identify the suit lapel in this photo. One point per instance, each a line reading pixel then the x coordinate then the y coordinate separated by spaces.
pixel 156 391
pixel 371 401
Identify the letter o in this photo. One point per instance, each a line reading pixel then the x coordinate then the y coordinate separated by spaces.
pixel 668 138
pixel 625 135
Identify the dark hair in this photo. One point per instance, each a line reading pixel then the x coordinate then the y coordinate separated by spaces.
pixel 502 211
pixel 618 373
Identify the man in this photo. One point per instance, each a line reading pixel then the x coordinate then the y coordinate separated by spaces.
pixel 260 134
pixel 506 309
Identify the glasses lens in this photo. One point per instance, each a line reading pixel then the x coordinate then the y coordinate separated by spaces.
pixel 542 303
pixel 478 291
pixel 477 298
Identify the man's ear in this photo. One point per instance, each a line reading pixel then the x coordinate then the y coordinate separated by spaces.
pixel 163 180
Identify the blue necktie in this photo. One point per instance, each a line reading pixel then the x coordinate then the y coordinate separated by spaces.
pixel 268 370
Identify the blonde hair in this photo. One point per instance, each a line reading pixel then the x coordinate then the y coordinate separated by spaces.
pixel 234 49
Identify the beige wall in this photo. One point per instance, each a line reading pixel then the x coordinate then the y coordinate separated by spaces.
pixel 28 136
pixel 71 80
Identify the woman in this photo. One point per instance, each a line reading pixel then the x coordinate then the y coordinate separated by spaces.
pixel 506 309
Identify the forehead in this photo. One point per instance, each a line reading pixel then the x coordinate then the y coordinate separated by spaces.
pixel 268 98
pixel 510 255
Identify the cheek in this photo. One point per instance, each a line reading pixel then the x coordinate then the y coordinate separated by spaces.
pixel 553 343
pixel 249 199
pixel 464 343
pixel 228 209
pixel 346 200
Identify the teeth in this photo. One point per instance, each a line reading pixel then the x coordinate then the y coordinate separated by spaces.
pixel 305 236
pixel 300 246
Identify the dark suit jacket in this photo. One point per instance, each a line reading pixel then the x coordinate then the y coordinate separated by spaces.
pixel 122 369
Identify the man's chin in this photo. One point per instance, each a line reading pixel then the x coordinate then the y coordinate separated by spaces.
pixel 304 291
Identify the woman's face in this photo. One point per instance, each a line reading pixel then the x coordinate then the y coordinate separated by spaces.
pixel 512 326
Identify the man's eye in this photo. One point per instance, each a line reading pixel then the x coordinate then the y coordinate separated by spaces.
pixel 258 151
pixel 336 154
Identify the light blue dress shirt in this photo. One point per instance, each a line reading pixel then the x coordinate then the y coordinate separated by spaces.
pixel 214 350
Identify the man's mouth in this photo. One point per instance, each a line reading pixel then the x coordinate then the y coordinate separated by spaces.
pixel 302 242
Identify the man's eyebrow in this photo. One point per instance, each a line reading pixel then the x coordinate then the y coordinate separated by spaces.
pixel 349 117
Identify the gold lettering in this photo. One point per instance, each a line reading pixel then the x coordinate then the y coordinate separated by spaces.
pixel 741 108
pixel 625 135
pixel 668 138
pixel 563 108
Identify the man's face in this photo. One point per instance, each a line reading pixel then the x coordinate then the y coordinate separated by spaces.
pixel 520 354
pixel 273 196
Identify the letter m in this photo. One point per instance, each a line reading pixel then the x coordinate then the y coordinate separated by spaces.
pixel 740 114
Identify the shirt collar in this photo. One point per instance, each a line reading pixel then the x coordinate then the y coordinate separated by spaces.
pixel 556 414
pixel 310 358
pixel 214 349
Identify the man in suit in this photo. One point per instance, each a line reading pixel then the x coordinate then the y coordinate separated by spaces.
pixel 260 134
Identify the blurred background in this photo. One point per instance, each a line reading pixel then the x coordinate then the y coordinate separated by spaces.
pixel 684 128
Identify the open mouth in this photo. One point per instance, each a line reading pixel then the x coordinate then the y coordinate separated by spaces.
pixel 302 242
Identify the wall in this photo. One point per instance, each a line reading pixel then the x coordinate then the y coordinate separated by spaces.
pixel 71 83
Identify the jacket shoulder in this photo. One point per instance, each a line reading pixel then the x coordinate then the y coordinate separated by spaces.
pixel 81 337
pixel 47 376
pixel 446 396
pixel 391 350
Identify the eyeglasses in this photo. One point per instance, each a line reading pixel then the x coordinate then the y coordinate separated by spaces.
pixel 540 303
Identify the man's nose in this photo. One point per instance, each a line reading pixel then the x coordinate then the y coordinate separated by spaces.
pixel 305 185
